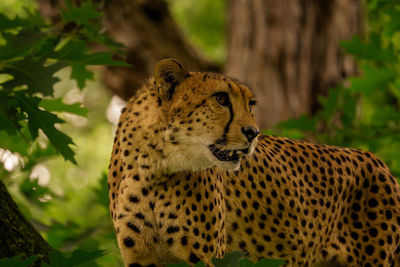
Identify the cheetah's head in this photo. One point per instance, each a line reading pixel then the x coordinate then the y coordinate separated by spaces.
pixel 210 118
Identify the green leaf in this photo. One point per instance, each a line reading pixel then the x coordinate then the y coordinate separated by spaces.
pixel 15 143
pixel 185 264
pixel 262 263
pixel 17 261
pixel 370 50
pixel 34 74
pixel 61 233
pixel 102 191
pixel 348 108
pixel 57 105
pixel 57 259
pixel 200 264
pixel 7 23
pixel 330 103
pixel 83 14
pixel 80 74
pixel 373 78
pixel 80 256
pixel 393 25
pixel 230 259
pixel 32 190
pixel 10 114
pixel 181 264
pixel 303 123
pixel 21 44
pixel 76 52
pixel 374 5
pixel 6 124
pixel 41 119
pixel 77 258
pixel 385 115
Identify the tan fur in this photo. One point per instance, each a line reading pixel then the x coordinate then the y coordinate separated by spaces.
pixel 171 199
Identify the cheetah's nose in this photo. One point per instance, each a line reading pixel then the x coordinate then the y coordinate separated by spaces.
pixel 250 132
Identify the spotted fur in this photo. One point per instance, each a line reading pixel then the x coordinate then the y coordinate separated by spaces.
pixel 172 198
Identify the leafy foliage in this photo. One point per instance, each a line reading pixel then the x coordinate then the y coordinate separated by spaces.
pixel 17 261
pixel 77 258
pixel 235 259
pixel 32 53
pixel 365 113
pixel 34 58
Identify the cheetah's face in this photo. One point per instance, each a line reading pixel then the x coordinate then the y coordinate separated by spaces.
pixel 211 117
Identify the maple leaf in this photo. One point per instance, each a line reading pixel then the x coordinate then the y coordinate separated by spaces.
pixel 34 74
pixel 57 105
pixel 44 120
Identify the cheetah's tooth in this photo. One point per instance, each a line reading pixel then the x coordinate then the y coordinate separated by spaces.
pixel 239 152
pixel 231 153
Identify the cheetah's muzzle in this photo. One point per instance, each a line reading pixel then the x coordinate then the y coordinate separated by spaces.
pixel 227 155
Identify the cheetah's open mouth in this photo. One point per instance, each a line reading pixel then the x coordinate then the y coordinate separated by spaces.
pixel 227 155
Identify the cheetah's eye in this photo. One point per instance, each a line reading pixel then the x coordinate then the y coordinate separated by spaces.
pixel 222 98
pixel 252 103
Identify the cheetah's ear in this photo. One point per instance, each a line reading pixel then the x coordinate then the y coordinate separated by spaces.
pixel 168 73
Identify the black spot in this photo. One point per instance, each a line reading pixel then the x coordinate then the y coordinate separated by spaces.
pixel 139 215
pixel 357 225
pixel 372 216
pixel 133 227
pixel 372 203
pixel 129 242
pixel 374 188
pixel 184 241
pixel 260 248
pixel 349 259
pixel 145 191
pixel 354 235
pixel 193 258
pixel 373 232
pixel 133 199
pixel 388 214
pixel 172 229
pixel 172 216
pixel 369 250
pixel 383 254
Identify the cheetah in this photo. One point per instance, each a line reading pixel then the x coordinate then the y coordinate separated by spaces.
pixel 191 178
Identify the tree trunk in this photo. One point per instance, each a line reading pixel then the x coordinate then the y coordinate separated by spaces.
pixel 288 51
pixel 149 33
pixel 17 235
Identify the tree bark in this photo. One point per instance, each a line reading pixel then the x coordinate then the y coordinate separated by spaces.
pixel 17 235
pixel 288 51
pixel 147 30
